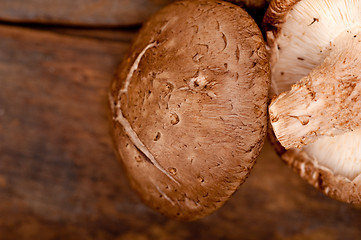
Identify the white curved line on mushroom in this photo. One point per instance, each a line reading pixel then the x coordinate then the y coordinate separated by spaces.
pixel 125 123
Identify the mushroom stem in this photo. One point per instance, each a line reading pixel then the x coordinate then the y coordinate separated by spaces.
pixel 327 102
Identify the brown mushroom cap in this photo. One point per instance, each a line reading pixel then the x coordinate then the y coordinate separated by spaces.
pixel 189 106
pixel 312 46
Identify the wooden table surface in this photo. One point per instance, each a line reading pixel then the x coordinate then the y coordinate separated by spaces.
pixel 80 12
pixel 60 179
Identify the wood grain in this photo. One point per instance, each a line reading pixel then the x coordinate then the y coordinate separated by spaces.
pixel 80 12
pixel 93 13
pixel 59 178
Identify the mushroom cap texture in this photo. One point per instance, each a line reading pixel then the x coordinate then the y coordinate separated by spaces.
pixel 322 178
pixel 194 90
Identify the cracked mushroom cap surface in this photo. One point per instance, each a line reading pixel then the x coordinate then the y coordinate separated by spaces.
pixel 189 106
pixel 315 113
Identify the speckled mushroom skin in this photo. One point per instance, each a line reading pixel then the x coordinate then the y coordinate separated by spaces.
pixel 322 178
pixel 194 91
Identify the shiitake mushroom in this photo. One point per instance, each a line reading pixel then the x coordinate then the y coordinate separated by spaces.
pixel 315 59
pixel 189 106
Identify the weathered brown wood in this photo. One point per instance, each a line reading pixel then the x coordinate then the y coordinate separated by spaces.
pixel 59 178
pixel 98 12
pixel 124 36
pixel 80 12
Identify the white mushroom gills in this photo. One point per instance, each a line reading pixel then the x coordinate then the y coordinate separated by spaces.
pixel 325 102
pixel 319 47
pixel 125 123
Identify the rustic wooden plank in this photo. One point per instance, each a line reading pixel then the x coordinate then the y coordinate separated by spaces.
pixel 59 178
pixel 124 35
pixel 98 12
pixel 57 164
pixel 80 12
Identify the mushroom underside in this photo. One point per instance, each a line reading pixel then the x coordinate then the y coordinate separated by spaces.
pixel 316 53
